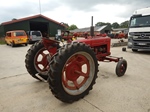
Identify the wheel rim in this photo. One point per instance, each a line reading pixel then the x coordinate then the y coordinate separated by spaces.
pixel 122 68
pixel 41 62
pixel 78 73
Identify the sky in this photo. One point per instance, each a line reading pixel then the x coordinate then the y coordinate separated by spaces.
pixel 77 12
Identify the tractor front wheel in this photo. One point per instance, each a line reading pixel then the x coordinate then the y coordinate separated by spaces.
pixel 121 67
pixel 73 71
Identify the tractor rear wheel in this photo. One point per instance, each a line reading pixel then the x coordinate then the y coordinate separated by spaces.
pixel 36 61
pixel 73 72
pixel 121 67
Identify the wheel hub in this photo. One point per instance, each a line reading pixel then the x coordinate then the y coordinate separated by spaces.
pixel 41 62
pixel 122 68
pixel 73 71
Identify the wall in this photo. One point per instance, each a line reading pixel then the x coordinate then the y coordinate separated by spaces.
pixel 17 26
pixel 1 31
pixel 25 25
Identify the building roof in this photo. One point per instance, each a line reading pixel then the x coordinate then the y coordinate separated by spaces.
pixel 119 29
pixel 30 17
pixel 96 28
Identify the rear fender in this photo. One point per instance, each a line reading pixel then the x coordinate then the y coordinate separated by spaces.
pixel 50 45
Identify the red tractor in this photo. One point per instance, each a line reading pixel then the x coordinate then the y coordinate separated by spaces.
pixel 71 69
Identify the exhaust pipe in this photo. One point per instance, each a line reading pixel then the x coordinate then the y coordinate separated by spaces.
pixel 92 28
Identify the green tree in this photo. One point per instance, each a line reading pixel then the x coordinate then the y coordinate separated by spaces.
pixel 65 24
pixel 102 24
pixel 72 27
pixel 124 24
pixel 14 19
pixel 115 25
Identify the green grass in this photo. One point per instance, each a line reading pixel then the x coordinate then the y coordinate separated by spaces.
pixel 2 40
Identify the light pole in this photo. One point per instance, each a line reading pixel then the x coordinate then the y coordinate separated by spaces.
pixel 40 6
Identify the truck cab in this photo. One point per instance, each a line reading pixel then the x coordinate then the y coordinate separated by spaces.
pixel 139 30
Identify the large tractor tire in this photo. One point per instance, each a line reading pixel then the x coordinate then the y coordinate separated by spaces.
pixel 36 61
pixel 73 72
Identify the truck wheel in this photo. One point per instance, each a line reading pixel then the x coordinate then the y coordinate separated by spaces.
pixel 121 67
pixel 73 71
pixel 36 61
pixel 134 50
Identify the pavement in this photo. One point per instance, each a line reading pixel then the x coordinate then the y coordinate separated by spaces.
pixel 19 92
pixel 119 42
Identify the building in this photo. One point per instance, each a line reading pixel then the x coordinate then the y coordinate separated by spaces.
pixel 97 29
pixel 118 30
pixel 36 22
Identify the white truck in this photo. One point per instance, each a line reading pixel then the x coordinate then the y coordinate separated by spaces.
pixel 139 30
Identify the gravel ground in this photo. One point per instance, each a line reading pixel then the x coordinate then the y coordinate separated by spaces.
pixel 19 92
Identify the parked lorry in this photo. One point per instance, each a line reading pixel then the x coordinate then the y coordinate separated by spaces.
pixel 139 30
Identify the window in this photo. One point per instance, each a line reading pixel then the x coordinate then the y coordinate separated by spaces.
pixel 19 34
pixel 36 33
pixel 141 21
pixel 8 34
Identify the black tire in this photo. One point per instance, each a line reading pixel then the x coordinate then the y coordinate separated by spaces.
pixel 134 50
pixel 26 44
pixel 66 65
pixel 30 61
pixel 121 67
pixel 123 49
pixel 12 44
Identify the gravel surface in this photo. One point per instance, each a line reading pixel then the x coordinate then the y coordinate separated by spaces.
pixel 19 92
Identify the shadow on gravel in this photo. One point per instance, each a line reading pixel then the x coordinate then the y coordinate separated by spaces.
pixel 144 52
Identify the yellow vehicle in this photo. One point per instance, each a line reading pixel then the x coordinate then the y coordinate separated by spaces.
pixel 16 37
